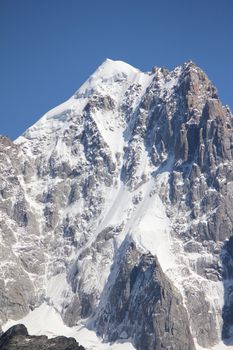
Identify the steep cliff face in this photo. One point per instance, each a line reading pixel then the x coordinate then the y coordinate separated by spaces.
pixel 116 206
pixel 142 304
pixel 20 253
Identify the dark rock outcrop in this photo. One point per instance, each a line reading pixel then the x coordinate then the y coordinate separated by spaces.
pixel 143 305
pixel 227 312
pixel 17 338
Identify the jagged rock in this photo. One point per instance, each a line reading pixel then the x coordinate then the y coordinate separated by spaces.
pixel 227 261
pixel 17 338
pixel 143 305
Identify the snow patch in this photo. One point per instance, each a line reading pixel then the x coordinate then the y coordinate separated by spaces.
pixel 46 321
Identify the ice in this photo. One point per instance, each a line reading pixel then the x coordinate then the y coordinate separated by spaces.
pixel 56 290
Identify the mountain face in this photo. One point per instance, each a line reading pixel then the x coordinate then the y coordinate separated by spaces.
pixel 116 210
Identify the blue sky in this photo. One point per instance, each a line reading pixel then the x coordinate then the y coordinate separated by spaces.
pixel 50 47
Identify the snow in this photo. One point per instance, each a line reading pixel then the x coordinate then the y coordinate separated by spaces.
pixel 115 76
pixel 151 230
pixel 108 70
pixel 219 346
pixel 57 288
pixel 116 206
pixel 45 320
pixel 112 78
pixel 110 130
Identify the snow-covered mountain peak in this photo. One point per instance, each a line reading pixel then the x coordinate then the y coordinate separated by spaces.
pixel 110 68
pixel 111 86
pixel 111 77
pixel 132 167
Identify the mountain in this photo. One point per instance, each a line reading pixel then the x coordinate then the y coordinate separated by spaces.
pixel 117 217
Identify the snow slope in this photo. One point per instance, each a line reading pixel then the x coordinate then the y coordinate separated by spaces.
pixel 46 321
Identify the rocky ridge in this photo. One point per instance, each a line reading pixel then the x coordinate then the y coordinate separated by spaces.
pixel 122 197
pixel 17 338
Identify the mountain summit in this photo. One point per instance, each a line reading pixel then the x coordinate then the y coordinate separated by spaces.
pixel 116 214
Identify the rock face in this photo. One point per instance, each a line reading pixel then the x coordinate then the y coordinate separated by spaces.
pixel 17 338
pixel 17 292
pixel 227 261
pixel 122 197
pixel 143 305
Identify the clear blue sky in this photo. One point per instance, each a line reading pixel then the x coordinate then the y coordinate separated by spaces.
pixel 49 47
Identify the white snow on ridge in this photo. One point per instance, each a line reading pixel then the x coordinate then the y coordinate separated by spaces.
pixel 110 71
pixel 113 76
pixel 113 79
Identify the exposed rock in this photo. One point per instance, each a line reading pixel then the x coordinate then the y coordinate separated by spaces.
pixel 17 338
pixel 143 305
